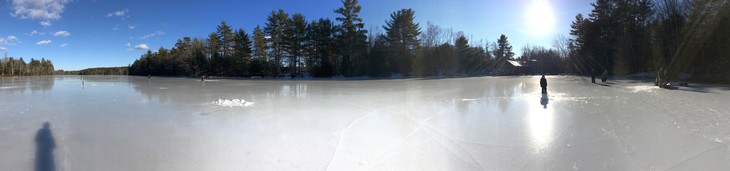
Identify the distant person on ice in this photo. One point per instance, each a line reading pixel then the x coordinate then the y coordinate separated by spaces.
pixel 543 84
pixel 593 75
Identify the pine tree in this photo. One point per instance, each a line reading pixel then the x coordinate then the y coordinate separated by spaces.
pixel 260 57
pixel 352 37
pixel 242 51
pixel 402 35
pixel 296 34
pixel 227 38
pixel 276 25
pixel 259 43
pixel 503 52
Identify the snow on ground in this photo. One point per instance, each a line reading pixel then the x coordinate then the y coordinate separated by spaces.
pixel 232 103
pixel 484 123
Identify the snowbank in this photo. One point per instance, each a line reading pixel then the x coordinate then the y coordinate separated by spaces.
pixel 232 103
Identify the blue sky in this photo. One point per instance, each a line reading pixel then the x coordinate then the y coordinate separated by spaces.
pixel 78 34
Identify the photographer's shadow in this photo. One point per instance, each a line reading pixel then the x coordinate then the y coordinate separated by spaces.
pixel 45 144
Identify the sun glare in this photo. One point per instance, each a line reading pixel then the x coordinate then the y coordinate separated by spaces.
pixel 540 20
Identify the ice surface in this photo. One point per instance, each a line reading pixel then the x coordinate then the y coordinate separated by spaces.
pixel 486 123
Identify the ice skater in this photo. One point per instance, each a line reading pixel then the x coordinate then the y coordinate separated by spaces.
pixel 593 75
pixel 543 84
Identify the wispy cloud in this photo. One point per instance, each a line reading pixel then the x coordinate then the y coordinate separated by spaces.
pixel 62 33
pixel 128 45
pixel 45 23
pixel 3 48
pixel 45 10
pixel 142 46
pixel 10 41
pixel 63 45
pixel 131 27
pixel 43 42
pixel 34 32
pixel 122 13
pixel 151 35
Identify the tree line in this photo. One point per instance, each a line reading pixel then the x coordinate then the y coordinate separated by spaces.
pixel 10 66
pixel 666 37
pixel 291 45
pixel 96 71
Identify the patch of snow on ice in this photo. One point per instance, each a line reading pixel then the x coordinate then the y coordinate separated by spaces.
pixel 232 103
pixel 643 88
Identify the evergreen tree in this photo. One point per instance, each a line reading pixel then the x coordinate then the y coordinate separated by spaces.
pixel 259 43
pixel 215 57
pixel 402 35
pixel 503 52
pixel 322 47
pixel 296 36
pixel 351 37
pixel 259 63
pixel 277 23
pixel 242 51
pixel 227 39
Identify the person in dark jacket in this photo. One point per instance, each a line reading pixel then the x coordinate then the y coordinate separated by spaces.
pixel 593 75
pixel 543 84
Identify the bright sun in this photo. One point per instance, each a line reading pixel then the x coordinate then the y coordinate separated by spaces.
pixel 540 18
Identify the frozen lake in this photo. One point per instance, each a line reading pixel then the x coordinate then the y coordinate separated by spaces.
pixel 485 123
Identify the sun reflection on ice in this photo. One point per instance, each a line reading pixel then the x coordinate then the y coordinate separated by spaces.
pixel 540 121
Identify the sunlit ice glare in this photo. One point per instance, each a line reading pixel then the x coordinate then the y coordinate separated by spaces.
pixel 540 121
pixel 539 18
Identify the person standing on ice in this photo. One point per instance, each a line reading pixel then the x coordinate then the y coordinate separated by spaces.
pixel 543 84
pixel 593 75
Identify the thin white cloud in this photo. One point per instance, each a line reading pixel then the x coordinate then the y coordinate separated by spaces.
pixel 34 32
pixel 12 38
pixel 131 27
pixel 10 41
pixel 128 45
pixel 62 33
pixel 3 48
pixel 63 45
pixel 142 47
pixel 45 23
pixel 38 9
pixel 43 42
pixel 121 13
pixel 115 28
pixel 151 35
